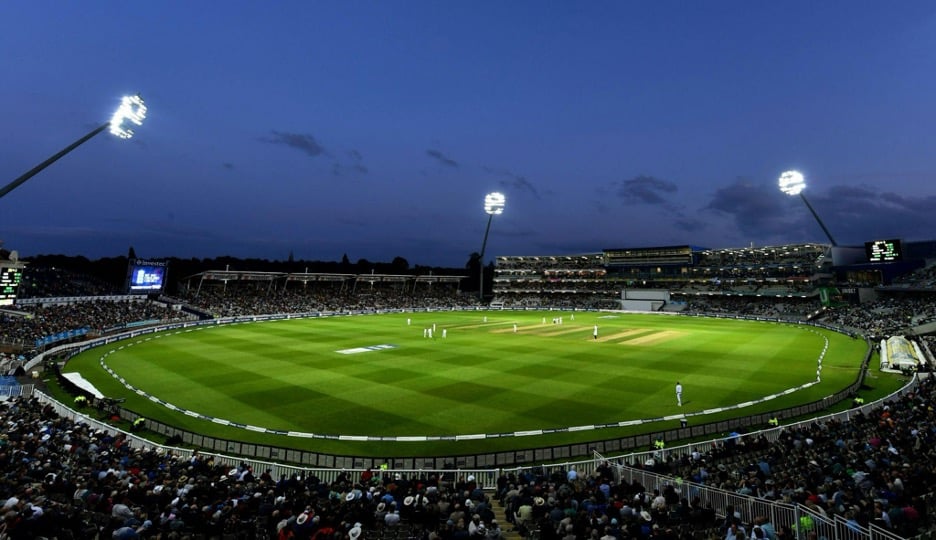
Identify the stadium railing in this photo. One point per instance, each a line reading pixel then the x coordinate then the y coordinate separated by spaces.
pixel 803 519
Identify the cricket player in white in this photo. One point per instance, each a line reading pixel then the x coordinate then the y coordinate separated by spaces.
pixel 678 393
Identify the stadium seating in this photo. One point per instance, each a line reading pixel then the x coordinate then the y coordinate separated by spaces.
pixel 64 479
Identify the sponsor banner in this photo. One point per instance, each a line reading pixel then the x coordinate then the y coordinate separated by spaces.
pixel 61 336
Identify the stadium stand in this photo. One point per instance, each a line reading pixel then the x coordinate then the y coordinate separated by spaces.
pixel 64 478
pixel 595 281
pixel 67 479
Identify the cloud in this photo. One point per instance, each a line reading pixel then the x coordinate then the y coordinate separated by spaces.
pixel 303 142
pixel 512 181
pixel 357 162
pixel 689 225
pixel 856 214
pixel 442 158
pixel 757 209
pixel 356 165
pixel 646 190
pixel 853 213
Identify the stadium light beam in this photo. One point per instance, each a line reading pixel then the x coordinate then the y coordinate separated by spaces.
pixel 493 206
pixel 793 183
pixel 132 111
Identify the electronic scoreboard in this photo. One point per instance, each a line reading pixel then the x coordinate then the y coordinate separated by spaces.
pixel 10 277
pixel 884 251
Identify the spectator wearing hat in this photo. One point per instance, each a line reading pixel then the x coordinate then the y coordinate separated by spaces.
pixel 381 512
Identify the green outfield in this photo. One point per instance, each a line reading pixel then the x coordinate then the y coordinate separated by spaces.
pixel 377 375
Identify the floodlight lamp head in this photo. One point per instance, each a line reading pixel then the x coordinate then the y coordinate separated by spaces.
pixel 494 203
pixel 792 183
pixel 132 110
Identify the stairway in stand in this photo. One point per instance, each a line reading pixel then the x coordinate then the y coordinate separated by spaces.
pixel 501 513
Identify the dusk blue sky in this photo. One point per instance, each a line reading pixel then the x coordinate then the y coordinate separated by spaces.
pixel 374 129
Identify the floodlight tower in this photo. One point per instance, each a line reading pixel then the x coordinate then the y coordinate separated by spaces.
pixel 132 110
pixel 493 206
pixel 793 183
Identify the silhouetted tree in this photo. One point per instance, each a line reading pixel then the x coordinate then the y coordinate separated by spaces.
pixel 363 266
pixel 399 265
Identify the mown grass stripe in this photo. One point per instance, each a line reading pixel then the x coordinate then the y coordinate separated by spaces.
pixel 287 375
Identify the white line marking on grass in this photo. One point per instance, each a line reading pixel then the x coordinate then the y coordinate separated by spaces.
pixel 357 350
pixel 365 438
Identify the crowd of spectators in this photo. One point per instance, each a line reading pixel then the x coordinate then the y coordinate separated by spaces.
pixel 876 469
pixel 923 278
pixel 64 480
pixel 243 300
pixel 886 316
pixel 794 309
pixel 32 322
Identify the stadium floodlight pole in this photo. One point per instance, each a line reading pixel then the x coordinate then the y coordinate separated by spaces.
pixel 493 206
pixel 132 110
pixel 793 183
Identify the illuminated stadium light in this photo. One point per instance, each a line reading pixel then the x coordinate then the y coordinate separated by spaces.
pixel 494 203
pixel 132 110
pixel 792 183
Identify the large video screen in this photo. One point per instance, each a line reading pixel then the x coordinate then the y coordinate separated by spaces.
pixel 147 276
pixel 884 251
pixel 10 278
